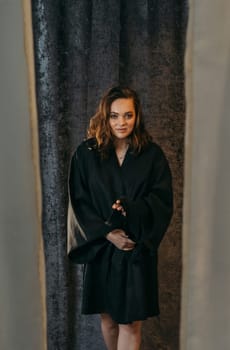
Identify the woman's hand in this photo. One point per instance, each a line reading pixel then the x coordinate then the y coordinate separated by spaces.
pixel 118 206
pixel 120 240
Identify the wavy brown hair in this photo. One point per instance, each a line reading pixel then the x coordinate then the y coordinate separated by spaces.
pixel 99 127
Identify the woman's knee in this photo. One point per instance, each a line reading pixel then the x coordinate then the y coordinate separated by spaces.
pixel 133 329
pixel 108 324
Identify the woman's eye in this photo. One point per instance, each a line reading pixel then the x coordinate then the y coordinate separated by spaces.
pixel 128 116
pixel 113 116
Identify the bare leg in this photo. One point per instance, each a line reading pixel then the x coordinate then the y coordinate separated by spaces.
pixel 129 336
pixel 110 331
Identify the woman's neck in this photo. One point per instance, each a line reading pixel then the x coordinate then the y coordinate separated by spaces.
pixel 121 144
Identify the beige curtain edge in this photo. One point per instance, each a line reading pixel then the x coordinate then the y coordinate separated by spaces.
pixel 187 174
pixel 29 53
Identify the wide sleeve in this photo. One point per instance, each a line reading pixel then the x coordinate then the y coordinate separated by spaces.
pixel 148 216
pixel 86 229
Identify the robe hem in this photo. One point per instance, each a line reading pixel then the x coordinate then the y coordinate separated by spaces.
pixel 119 321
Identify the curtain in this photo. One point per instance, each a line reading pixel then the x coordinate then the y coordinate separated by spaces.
pixel 83 47
pixel 206 224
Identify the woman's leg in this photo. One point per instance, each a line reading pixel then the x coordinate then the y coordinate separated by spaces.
pixel 129 336
pixel 110 331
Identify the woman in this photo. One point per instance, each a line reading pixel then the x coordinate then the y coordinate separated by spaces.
pixel 121 201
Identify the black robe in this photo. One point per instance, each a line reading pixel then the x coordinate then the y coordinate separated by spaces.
pixel 120 283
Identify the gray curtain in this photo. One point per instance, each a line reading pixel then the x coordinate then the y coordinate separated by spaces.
pixel 83 47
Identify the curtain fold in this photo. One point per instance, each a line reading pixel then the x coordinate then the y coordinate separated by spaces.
pixel 83 47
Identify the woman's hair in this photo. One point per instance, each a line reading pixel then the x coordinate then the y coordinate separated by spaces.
pixel 99 127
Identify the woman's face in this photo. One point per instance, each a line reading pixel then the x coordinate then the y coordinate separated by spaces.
pixel 122 117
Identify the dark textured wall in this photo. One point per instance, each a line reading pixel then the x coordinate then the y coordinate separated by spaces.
pixel 82 48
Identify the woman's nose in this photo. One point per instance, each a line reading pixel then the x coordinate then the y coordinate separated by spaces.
pixel 121 120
